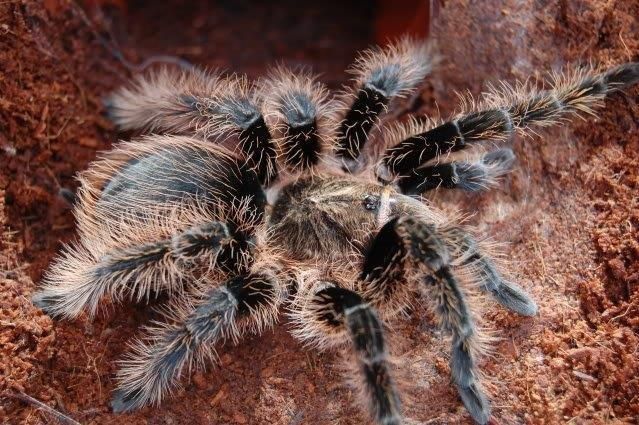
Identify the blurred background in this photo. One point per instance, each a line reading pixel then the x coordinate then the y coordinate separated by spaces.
pixel 244 35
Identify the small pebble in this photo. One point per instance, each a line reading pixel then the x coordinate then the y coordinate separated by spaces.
pixel 200 381
pixel 239 418
pixel 219 395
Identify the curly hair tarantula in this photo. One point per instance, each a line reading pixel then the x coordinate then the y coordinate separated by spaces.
pixel 252 196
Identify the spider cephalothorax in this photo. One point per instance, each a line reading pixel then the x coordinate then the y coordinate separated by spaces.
pixel 252 196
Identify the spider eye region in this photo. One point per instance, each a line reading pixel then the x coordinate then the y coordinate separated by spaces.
pixel 371 202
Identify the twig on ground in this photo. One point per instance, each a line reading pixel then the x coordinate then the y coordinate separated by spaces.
pixel 60 417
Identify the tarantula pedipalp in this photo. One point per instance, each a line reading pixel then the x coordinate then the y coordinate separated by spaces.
pixel 259 188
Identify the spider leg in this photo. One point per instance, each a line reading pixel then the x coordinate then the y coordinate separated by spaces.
pixel 470 176
pixel 413 243
pixel 466 253
pixel 381 76
pixel 299 107
pixel 386 257
pixel 335 311
pixel 241 109
pixel 502 113
pixel 168 100
pixel 151 216
pixel 78 281
pixel 201 103
pixel 154 366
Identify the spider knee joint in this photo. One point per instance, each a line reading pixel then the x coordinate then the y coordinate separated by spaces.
pixel 187 246
pixel 253 292
pixel 421 243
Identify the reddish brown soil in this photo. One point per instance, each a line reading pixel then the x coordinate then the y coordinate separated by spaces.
pixel 569 213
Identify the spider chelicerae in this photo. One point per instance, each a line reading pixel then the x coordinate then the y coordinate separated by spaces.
pixel 249 197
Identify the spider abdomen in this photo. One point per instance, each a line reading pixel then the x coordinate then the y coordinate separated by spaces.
pixel 168 177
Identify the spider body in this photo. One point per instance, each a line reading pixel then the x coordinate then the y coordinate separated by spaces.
pixel 328 218
pixel 250 198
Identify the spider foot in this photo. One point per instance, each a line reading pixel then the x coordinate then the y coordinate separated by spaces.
pixel 514 298
pixel 475 402
pixel 123 401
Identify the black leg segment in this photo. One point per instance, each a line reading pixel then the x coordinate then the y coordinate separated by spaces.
pixel 468 176
pixel 358 122
pixel 346 308
pixel 256 142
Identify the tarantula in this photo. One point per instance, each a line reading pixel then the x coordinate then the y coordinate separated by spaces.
pixel 252 196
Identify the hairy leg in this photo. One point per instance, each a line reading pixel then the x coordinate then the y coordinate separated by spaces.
pixel 78 281
pixel 199 103
pixel 502 113
pixel 338 313
pixel 470 176
pixel 381 76
pixel 154 366
pixel 385 261
pixel 168 100
pixel 466 253
pixel 416 248
pixel 297 107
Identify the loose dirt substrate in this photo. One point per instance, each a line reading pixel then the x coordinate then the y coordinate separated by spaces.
pixel 569 214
